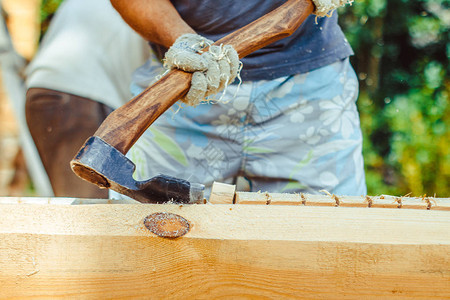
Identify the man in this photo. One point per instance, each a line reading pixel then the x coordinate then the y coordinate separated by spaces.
pixel 290 126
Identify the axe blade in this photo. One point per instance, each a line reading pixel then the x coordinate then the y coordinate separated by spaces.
pixel 102 164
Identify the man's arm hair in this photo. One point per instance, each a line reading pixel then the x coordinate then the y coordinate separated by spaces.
pixel 155 20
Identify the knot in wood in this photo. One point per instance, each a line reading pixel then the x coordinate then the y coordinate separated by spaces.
pixel 167 225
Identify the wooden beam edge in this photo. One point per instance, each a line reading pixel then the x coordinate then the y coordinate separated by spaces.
pixel 235 222
pixel 383 201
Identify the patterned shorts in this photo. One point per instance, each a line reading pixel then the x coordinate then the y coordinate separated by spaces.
pixel 293 134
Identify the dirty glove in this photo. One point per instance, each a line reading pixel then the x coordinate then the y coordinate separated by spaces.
pixel 323 7
pixel 213 69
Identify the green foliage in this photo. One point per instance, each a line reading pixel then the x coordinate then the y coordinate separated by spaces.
pixel 402 59
pixel 48 8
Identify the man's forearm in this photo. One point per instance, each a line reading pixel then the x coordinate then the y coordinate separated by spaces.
pixel 155 20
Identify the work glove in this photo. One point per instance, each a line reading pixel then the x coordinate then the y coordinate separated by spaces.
pixel 323 7
pixel 212 69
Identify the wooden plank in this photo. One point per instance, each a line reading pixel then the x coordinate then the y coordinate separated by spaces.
pixel 222 193
pixel 105 251
pixel 383 201
pixel 63 201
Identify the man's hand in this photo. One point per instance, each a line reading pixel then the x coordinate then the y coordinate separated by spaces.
pixel 323 7
pixel 213 68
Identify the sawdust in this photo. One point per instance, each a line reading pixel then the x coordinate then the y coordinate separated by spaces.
pixel 36 270
pixel 303 198
pixel 429 201
pixel 333 196
pixel 268 198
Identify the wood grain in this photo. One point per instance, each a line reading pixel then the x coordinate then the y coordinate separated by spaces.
pixel 123 127
pixel 231 251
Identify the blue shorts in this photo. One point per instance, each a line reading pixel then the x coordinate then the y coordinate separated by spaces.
pixel 298 133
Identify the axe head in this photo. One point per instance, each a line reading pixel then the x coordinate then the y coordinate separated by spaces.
pixel 103 165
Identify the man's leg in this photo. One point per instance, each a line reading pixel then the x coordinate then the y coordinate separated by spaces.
pixel 59 124
pixel 304 134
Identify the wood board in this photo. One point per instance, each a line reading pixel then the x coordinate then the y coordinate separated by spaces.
pixel 222 193
pixel 105 251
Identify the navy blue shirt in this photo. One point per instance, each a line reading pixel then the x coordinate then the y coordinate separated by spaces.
pixel 313 45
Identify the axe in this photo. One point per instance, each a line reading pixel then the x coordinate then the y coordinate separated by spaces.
pixel 102 159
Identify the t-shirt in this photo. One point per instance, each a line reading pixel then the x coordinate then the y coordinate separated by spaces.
pixel 88 51
pixel 316 43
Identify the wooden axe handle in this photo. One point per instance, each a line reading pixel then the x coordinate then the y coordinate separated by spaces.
pixel 123 127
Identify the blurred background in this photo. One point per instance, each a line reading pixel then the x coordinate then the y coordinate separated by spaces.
pixel 402 51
